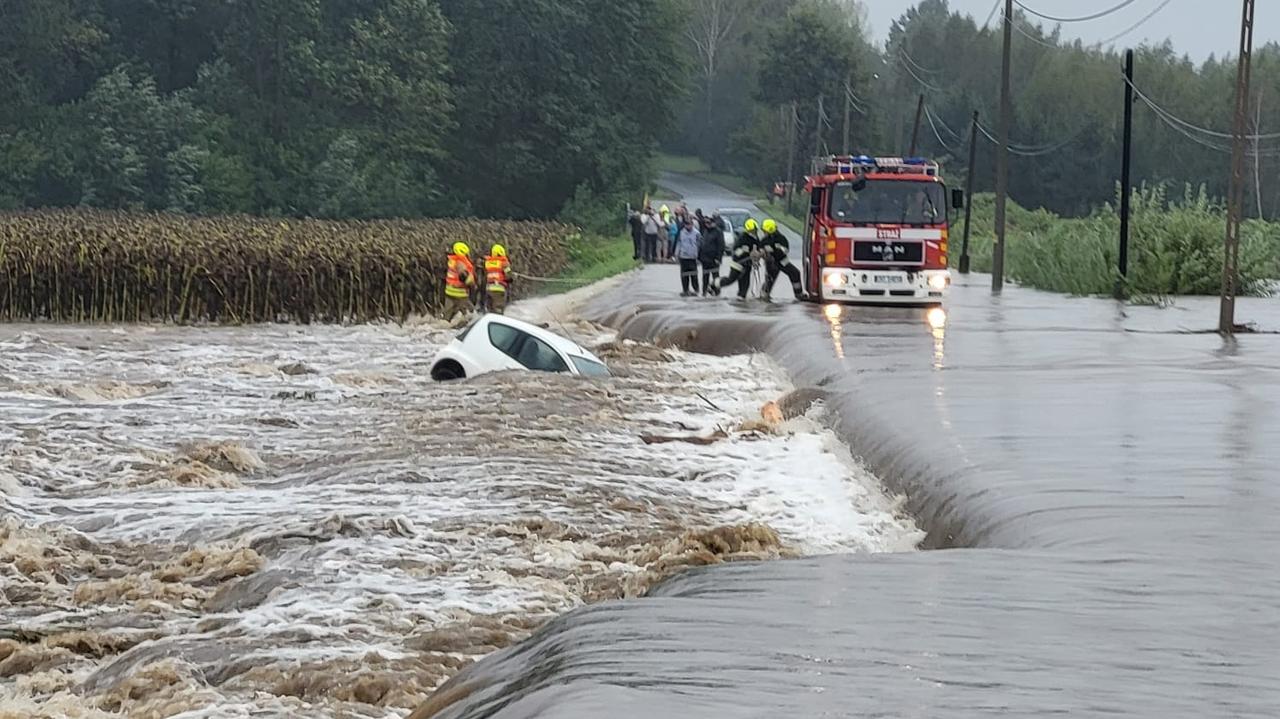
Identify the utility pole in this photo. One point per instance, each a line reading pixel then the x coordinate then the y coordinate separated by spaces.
pixel 848 108
pixel 791 155
pixel 1235 199
pixel 1126 185
pixel 915 131
pixel 817 128
pixel 968 200
pixel 1257 157
pixel 1002 154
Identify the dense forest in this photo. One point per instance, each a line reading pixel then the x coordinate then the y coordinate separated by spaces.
pixel 774 55
pixel 334 108
pixel 553 108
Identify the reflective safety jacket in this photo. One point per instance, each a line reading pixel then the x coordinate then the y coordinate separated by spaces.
pixel 460 277
pixel 745 245
pixel 497 273
pixel 776 248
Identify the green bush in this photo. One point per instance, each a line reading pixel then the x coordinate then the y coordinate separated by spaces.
pixel 1175 247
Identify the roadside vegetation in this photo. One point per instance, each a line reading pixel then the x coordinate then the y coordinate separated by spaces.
pixel 591 258
pixel 1175 247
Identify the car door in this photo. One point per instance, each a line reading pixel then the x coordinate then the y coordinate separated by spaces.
pixel 539 356
pixel 505 341
pixel 521 349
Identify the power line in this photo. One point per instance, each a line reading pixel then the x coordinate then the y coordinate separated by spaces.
pixel 1084 18
pixel 1212 133
pixel 1027 34
pixel 853 101
pixel 1199 140
pixel 944 126
pixel 992 14
pixel 932 124
pixel 920 80
pixel 907 56
pixel 1029 150
pixel 1137 24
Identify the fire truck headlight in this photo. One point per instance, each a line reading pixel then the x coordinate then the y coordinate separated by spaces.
pixel 835 279
pixel 939 282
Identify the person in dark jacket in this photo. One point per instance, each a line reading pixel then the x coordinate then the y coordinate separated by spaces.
pixel 710 253
pixel 636 222
pixel 745 251
pixel 777 253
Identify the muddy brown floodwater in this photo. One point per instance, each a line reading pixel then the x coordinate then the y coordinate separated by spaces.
pixel 296 522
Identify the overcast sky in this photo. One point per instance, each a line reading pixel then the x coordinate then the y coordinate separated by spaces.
pixel 1197 27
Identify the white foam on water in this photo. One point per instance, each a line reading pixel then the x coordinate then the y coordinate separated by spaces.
pixel 385 509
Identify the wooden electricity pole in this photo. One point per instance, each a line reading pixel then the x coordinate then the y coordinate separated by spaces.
pixel 1235 199
pixel 817 128
pixel 848 109
pixel 1126 184
pixel 1002 154
pixel 915 130
pixel 968 199
pixel 791 155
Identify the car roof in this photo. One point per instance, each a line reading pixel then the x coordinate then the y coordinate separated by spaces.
pixel 559 342
pixel 735 210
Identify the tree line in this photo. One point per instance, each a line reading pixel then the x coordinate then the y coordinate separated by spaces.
pixel 776 61
pixel 334 108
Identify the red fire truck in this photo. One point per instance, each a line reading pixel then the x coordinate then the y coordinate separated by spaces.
pixel 877 231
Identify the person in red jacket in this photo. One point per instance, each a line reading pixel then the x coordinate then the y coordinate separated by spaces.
pixel 459 280
pixel 497 279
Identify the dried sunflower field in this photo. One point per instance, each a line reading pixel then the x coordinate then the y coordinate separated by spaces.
pixel 101 266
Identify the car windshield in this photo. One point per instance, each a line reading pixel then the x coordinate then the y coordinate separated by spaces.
pixel 889 202
pixel 589 368
pixel 467 330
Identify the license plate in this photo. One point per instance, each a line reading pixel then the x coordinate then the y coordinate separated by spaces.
pixel 887 279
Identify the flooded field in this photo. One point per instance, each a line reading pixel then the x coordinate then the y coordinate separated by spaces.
pixel 296 522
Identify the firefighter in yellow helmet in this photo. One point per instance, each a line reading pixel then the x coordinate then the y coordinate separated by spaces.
pixel 497 279
pixel 459 281
pixel 745 251
pixel 777 255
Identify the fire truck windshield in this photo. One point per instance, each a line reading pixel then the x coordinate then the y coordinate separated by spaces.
pixel 896 202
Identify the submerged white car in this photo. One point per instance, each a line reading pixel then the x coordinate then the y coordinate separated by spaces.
pixel 492 343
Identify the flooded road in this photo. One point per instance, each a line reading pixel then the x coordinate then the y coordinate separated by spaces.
pixel 296 522
pixel 1101 477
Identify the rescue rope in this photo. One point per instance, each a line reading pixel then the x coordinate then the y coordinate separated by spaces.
pixel 566 280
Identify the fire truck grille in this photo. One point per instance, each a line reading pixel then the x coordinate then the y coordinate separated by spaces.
pixel 890 252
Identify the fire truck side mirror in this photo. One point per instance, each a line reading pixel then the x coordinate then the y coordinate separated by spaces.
pixel 957 199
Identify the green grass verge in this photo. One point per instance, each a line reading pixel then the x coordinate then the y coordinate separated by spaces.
pixel 591 259
pixel 680 164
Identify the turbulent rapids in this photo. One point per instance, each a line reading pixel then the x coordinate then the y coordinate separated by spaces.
pixel 296 522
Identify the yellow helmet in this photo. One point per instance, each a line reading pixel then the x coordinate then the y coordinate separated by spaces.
pixel 460 248
pixel 770 227
pixel 498 251
pixel 750 225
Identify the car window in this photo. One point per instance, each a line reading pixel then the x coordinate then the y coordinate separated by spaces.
pixel 588 368
pixel 538 355
pixel 505 338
